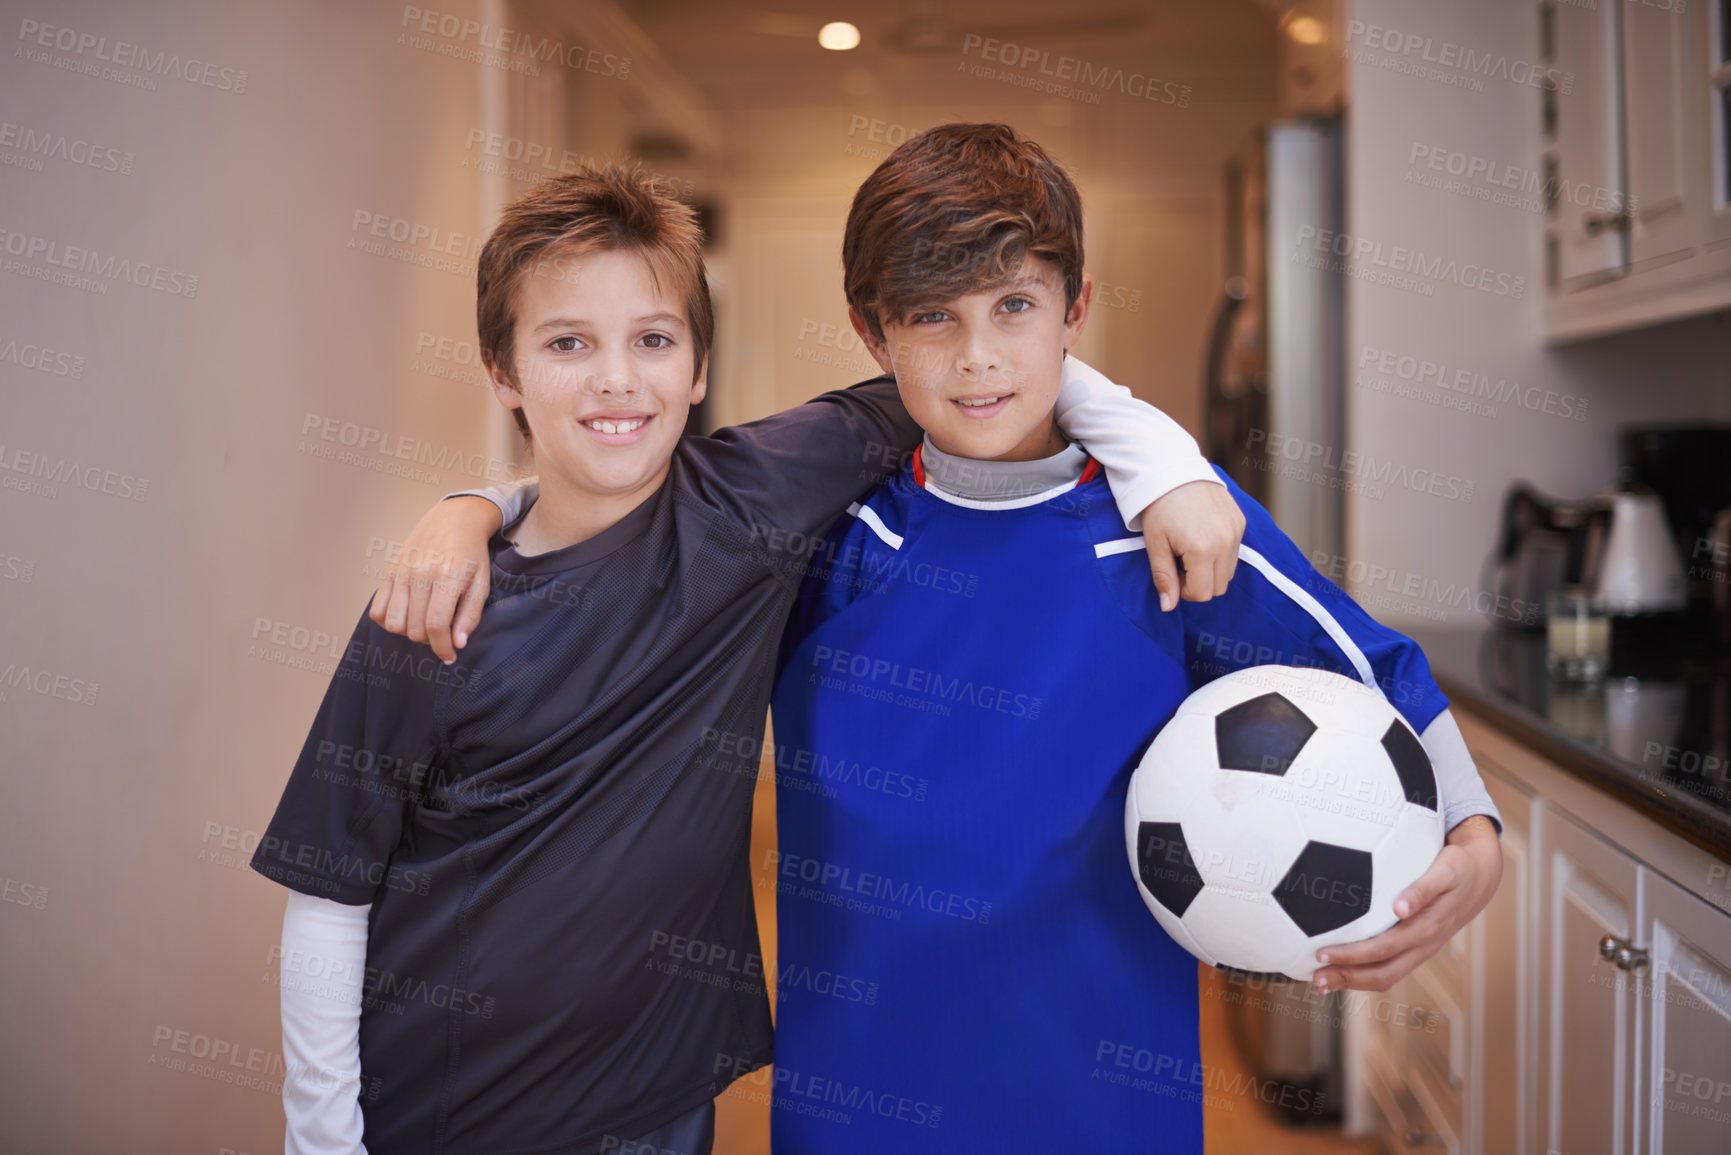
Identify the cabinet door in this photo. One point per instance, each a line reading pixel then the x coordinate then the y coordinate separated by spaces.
pixel 1685 1078
pixel 1660 121
pixel 1711 98
pixel 1591 246
pixel 1591 891
pixel 1504 1020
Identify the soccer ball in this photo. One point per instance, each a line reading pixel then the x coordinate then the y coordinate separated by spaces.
pixel 1281 809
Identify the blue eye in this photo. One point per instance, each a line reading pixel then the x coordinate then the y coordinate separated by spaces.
pixel 922 318
pixel 1022 301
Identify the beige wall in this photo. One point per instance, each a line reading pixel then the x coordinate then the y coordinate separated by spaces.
pixel 129 813
pixel 1150 177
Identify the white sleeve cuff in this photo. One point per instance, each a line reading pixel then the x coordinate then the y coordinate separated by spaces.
pixel 513 497
pixel 322 978
pixel 1457 778
pixel 1145 453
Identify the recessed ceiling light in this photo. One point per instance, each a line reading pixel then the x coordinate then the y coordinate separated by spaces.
pixel 839 36
pixel 1306 30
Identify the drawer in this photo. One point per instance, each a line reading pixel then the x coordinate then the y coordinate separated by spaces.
pixel 1407 1124
pixel 1449 966
pixel 1436 1028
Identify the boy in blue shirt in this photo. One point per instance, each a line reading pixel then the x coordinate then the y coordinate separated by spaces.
pixel 992 915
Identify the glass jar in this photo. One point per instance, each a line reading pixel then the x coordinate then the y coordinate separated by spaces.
pixel 1577 635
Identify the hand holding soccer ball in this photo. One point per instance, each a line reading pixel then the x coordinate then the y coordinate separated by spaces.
pixel 1282 810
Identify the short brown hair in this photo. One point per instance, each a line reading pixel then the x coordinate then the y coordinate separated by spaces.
pixel 594 209
pixel 953 211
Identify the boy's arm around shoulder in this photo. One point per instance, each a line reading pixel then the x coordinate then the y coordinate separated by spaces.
pixel 785 477
pixel 796 470
pixel 788 475
pixel 436 582
pixel 1162 484
pixel 782 477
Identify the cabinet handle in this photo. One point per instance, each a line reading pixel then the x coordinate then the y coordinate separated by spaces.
pixel 1596 223
pixel 1621 953
pixel 1413 1134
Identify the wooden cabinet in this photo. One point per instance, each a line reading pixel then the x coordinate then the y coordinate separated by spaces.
pixel 1503 1012
pixel 1684 987
pixel 1663 122
pixel 1634 123
pixel 1586 1009
pixel 1583 111
pixel 1591 890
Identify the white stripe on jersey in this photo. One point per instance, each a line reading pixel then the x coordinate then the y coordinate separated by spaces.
pixel 1325 619
pixel 1120 545
pixel 869 515
pixel 1286 586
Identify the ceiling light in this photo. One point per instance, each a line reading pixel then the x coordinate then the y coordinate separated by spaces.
pixel 839 36
pixel 1306 30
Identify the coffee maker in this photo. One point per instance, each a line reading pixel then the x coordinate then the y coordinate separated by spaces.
pixel 1544 545
pixel 1646 547
pixel 1689 467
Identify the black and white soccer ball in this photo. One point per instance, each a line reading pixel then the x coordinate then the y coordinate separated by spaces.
pixel 1282 809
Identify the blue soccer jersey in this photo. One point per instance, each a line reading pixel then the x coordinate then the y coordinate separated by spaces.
pixel 965 962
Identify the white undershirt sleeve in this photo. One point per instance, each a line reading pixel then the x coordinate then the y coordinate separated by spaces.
pixel 322 976
pixel 512 497
pixel 1457 779
pixel 1145 453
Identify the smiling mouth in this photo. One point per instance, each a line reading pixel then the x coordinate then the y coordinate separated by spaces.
pixel 621 425
pixel 980 408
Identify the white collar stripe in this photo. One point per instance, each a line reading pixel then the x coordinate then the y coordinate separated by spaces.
pixel 1013 503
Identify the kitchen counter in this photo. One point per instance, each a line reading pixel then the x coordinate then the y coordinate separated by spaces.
pixel 1655 733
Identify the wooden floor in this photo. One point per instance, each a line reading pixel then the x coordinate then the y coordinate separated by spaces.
pixel 1232 1125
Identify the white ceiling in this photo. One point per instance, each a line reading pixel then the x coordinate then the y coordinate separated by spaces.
pixel 742 55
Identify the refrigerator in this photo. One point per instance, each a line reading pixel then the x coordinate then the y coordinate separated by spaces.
pixel 1274 420
pixel 1273 404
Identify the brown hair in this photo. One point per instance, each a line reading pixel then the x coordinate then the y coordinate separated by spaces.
pixel 953 211
pixel 590 210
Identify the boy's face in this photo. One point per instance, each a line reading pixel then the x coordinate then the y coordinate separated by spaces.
pixel 980 372
pixel 605 372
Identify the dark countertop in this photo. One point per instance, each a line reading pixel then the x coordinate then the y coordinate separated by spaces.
pixel 1655 733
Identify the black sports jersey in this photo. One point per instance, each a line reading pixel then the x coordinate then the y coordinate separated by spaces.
pixel 544 828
